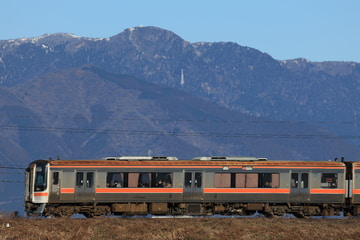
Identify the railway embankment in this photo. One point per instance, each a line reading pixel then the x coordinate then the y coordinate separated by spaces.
pixel 182 228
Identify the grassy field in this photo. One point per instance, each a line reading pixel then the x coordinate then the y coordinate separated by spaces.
pixel 183 228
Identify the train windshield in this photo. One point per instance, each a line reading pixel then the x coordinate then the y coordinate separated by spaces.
pixel 40 177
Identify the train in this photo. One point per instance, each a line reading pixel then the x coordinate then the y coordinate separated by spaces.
pixel 142 185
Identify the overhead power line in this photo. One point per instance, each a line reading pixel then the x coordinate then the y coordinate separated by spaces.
pixel 11 173
pixel 178 120
pixel 12 181
pixel 173 133
pixel 12 167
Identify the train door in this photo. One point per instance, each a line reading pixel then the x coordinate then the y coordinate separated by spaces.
pixel 193 186
pixel 84 186
pixel 28 185
pixel 55 188
pixel 299 187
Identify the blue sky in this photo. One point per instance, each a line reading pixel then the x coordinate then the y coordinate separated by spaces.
pixel 318 30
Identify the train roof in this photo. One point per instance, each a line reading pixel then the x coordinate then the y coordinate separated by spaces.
pixel 200 161
pixel 356 164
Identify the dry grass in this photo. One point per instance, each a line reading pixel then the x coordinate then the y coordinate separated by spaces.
pixel 192 228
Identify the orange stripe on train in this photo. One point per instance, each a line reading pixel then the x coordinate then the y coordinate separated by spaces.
pixel 67 190
pixel 327 191
pixel 132 166
pixel 41 194
pixel 246 190
pixel 139 190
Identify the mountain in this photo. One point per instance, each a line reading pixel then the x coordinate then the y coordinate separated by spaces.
pixel 239 78
pixel 90 113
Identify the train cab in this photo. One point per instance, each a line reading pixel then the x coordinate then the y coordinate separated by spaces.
pixel 37 186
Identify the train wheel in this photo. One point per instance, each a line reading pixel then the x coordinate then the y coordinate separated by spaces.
pixel 327 211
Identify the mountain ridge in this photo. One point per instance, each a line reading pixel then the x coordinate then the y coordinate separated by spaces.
pixel 98 102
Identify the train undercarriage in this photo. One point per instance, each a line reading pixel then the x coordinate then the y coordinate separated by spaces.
pixel 228 209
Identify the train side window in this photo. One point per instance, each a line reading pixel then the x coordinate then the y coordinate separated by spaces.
pixel 264 180
pixel 222 180
pixel 55 178
pixel 115 179
pixel 329 180
pixel 246 180
pixel 275 178
pixel 144 180
pixel 162 180
pixel 251 180
pixel 89 179
pixel 188 179
pixel 304 180
pixel 133 179
pixel 198 179
pixel 79 179
pixel 269 180
pixel 294 180
pixel 240 180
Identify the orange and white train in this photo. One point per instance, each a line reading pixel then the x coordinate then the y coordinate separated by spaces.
pixel 136 185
